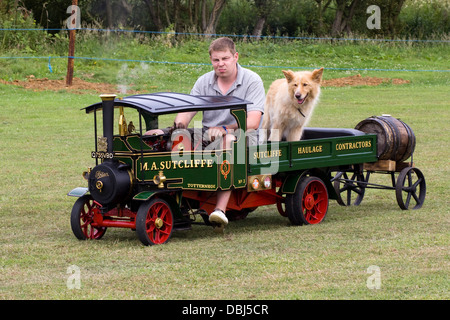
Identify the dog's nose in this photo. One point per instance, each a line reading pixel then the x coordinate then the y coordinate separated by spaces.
pixel 298 96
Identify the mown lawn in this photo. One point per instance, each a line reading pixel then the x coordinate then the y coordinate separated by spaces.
pixel 46 143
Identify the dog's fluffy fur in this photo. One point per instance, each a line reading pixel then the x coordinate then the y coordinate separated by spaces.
pixel 290 103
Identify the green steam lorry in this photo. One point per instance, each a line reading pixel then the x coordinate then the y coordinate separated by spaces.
pixel 155 184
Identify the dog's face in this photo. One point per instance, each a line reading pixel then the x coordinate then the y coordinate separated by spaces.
pixel 304 85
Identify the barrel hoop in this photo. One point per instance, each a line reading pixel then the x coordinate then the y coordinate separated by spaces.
pixel 412 138
pixel 395 130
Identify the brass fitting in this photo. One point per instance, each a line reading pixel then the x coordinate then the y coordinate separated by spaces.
pixel 159 179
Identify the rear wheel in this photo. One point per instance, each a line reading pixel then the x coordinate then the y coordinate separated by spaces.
pixel 309 203
pixel 410 188
pixel 154 222
pixel 281 204
pixel 82 218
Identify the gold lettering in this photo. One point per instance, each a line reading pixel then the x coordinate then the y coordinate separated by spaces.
pixel 177 164
pixel 266 154
pixel 100 174
pixel 310 149
pixel 201 186
pixel 353 145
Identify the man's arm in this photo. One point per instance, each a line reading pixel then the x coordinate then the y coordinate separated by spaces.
pixel 183 119
pixel 253 119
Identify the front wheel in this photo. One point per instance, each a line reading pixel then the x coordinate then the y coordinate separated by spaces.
pixel 350 191
pixel 154 222
pixel 309 203
pixel 82 218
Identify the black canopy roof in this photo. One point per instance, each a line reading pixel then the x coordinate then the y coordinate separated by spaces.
pixel 171 102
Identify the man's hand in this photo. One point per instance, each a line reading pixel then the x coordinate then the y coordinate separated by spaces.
pixel 153 132
pixel 216 132
pixel 167 130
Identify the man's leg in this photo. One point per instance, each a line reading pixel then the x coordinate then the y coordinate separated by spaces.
pixel 222 199
pixel 218 215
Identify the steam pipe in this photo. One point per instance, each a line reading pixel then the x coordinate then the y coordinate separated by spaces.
pixel 108 119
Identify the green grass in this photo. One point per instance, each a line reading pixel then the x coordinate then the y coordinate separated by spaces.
pixel 46 143
pixel 267 57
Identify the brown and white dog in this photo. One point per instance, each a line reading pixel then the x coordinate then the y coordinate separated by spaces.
pixel 290 103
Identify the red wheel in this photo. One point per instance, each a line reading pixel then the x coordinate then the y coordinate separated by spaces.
pixel 154 222
pixel 82 217
pixel 309 203
pixel 281 205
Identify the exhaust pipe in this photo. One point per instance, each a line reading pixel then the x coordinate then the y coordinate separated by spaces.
pixel 108 119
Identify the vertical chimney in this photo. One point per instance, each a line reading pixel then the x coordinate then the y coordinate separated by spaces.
pixel 108 119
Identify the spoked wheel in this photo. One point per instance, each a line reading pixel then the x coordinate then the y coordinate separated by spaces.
pixel 154 222
pixel 410 186
pixel 281 204
pixel 82 217
pixel 350 191
pixel 309 203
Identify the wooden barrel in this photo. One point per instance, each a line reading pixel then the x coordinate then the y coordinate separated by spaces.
pixel 395 139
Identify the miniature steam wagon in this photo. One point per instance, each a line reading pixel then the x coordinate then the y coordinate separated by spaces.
pixel 156 184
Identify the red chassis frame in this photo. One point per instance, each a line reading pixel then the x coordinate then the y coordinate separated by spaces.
pixel 240 198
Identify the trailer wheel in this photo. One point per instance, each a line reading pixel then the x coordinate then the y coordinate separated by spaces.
pixel 350 191
pixel 82 217
pixel 154 222
pixel 309 203
pixel 410 184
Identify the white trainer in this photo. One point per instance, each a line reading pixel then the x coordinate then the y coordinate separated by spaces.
pixel 219 217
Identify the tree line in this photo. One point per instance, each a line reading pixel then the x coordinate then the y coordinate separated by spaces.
pixel 336 18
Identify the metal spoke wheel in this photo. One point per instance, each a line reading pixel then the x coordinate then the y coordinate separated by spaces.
pixel 350 191
pixel 309 203
pixel 154 222
pixel 82 218
pixel 410 188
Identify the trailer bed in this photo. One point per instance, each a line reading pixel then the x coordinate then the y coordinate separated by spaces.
pixel 320 148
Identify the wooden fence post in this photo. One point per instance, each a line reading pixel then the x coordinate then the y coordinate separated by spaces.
pixel 72 32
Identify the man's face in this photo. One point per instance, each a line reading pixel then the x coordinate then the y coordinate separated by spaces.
pixel 224 63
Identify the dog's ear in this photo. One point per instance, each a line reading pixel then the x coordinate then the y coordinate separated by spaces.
pixel 289 75
pixel 317 75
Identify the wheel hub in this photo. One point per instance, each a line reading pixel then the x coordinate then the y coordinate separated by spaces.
pixel 309 201
pixel 159 223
